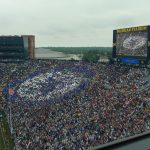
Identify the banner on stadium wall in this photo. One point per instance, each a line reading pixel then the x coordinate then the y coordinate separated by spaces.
pixel 134 29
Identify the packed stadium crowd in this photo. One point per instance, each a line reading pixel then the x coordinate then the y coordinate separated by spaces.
pixel 74 105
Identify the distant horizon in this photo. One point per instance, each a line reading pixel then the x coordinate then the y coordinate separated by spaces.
pixel 73 46
pixel 72 23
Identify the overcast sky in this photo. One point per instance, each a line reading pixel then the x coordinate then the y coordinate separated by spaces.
pixel 71 22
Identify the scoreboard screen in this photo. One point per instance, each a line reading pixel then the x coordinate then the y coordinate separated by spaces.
pixel 132 42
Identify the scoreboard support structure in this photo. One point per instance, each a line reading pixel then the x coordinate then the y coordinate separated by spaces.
pixel 132 46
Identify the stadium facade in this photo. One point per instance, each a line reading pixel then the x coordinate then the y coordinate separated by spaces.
pixel 132 45
pixel 17 48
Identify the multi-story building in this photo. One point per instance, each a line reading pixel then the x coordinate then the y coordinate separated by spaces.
pixel 16 48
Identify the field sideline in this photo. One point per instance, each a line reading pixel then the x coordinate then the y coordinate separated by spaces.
pixel 6 141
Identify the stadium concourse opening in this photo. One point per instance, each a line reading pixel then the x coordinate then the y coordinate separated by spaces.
pixel 62 104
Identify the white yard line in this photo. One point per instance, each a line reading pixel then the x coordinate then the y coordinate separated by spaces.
pixel 1 130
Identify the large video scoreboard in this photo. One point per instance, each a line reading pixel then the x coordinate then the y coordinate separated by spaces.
pixel 132 44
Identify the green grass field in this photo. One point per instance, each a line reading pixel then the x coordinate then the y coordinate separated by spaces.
pixel 6 141
pixel 2 144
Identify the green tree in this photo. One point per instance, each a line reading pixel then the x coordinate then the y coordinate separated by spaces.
pixel 110 60
pixel 91 56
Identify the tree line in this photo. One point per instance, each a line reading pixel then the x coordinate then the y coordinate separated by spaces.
pixel 90 54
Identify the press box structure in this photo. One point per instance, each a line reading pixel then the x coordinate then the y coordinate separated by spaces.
pixel 17 48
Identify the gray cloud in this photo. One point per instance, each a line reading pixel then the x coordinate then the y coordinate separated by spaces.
pixel 71 22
